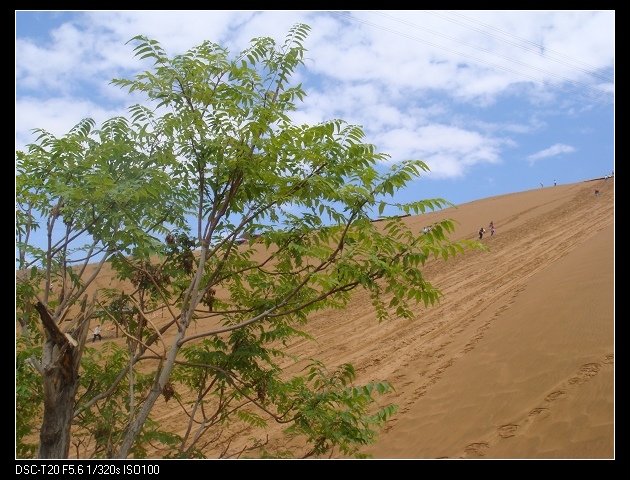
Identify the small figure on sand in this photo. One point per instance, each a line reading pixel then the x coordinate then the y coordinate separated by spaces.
pixel 596 192
pixel 97 333
pixel 491 227
pixel 481 232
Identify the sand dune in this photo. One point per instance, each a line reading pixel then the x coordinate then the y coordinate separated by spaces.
pixel 517 361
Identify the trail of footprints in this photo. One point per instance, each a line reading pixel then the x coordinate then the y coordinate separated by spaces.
pixel 584 374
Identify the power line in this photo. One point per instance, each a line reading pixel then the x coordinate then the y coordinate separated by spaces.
pixel 544 82
pixel 538 48
pixel 496 54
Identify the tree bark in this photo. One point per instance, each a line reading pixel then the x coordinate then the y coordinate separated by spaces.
pixel 61 358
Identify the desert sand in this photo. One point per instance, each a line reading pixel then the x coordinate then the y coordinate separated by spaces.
pixel 517 360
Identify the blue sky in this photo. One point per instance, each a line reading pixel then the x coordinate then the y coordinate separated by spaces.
pixel 494 102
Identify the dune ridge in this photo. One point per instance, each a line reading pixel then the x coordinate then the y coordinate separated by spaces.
pixel 517 360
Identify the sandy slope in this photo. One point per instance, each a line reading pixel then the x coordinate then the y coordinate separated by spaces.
pixel 517 361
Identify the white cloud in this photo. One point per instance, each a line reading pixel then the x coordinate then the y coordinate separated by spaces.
pixel 553 151
pixel 56 116
pixel 461 90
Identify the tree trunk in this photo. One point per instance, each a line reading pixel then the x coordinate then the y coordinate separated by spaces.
pixel 162 377
pixel 61 358
pixel 59 393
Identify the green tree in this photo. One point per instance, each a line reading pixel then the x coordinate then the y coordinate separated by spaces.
pixel 94 195
pixel 301 196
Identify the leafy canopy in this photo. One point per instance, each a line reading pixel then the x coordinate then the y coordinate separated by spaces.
pixel 264 223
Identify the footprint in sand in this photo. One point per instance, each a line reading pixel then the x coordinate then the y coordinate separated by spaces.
pixel 590 369
pixel 539 413
pixel 587 371
pixel 507 431
pixel 555 395
pixel 477 449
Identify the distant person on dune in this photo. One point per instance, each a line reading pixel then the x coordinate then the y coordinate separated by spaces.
pixel 491 227
pixel 481 232
pixel 97 333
